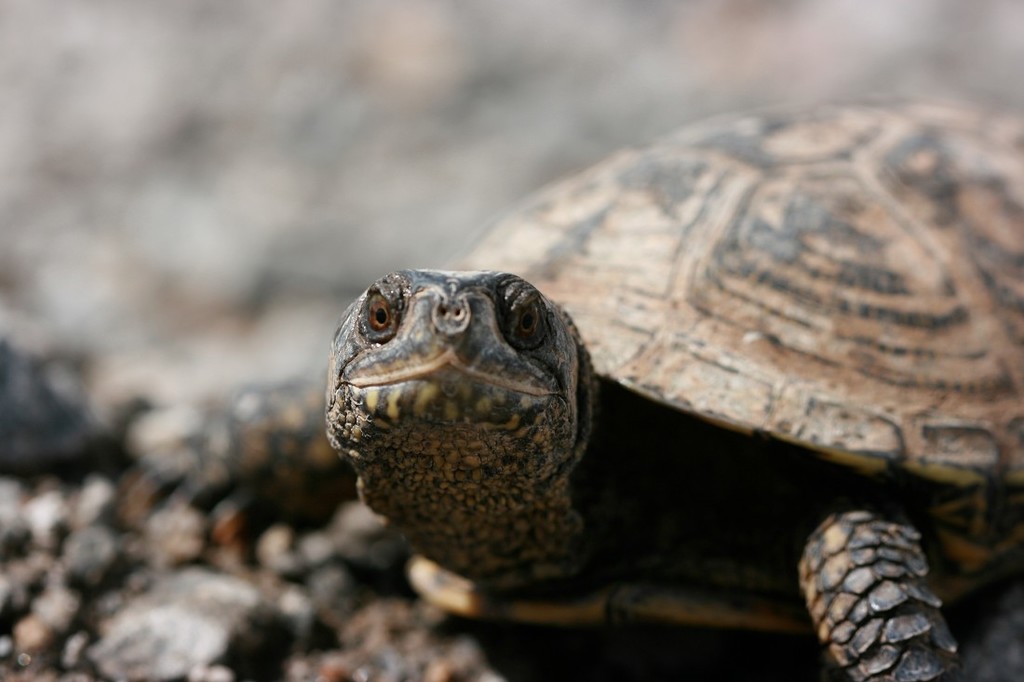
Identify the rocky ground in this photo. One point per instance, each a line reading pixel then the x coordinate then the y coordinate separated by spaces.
pixel 181 544
pixel 189 195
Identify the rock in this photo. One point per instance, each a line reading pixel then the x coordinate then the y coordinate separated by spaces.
pixel 96 503
pixel 162 440
pixel 45 420
pixel 333 589
pixel 274 550
pixel 89 553
pixel 191 619
pixel 392 639
pixel 298 612
pixel 46 515
pixel 175 534
pixel 32 634
pixel 363 540
pixel 316 549
pixel 16 584
pixel 57 607
pixel 463 660
pixel 11 494
pixel 74 647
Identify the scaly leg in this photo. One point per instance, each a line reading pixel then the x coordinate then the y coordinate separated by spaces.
pixel 863 578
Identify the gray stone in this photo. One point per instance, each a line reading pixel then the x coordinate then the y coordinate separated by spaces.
pixel 191 619
pixel 175 534
pixel 316 549
pixel 274 550
pixel 11 493
pixel 333 589
pixel 74 649
pixel 362 539
pixel 298 612
pixel 57 606
pixel 46 515
pixel 96 502
pixel 32 634
pixel 17 582
pixel 89 553
pixel 45 420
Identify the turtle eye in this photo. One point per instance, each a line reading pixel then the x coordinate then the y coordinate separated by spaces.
pixel 527 323
pixel 381 321
pixel 529 320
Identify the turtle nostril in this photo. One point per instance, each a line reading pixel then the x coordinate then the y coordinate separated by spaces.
pixel 451 317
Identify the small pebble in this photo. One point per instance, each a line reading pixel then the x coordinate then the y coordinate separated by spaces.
pixel 96 503
pixel 333 590
pixel 32 634
pixel 57 606
pixel 11 494
pixel 46 421
pixel 176 534
pixel 74 647
pixel 89 554
pixel 361 538
pixel 274 549
pixel 46 515
pixel 316 549
pixel 298 612
pixel 190 619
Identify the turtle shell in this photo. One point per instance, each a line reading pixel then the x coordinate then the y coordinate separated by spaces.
pixel 848 278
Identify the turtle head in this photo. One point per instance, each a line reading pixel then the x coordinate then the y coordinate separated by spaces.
pixel 463 401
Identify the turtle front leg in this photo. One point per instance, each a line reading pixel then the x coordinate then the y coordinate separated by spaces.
pixel 863 578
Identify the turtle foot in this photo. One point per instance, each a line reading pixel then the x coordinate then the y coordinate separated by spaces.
pixel 864 581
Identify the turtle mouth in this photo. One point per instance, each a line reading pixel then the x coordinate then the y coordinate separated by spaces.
pixel 444 392
pixel 445 370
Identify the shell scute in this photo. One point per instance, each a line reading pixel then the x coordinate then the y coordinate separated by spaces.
pixel 849 278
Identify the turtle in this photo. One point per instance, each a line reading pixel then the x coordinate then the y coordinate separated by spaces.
pixel 764 373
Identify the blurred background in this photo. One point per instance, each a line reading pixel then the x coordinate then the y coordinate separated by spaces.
pixel 190 192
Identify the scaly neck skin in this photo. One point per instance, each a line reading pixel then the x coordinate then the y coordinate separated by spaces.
pixel 488 504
